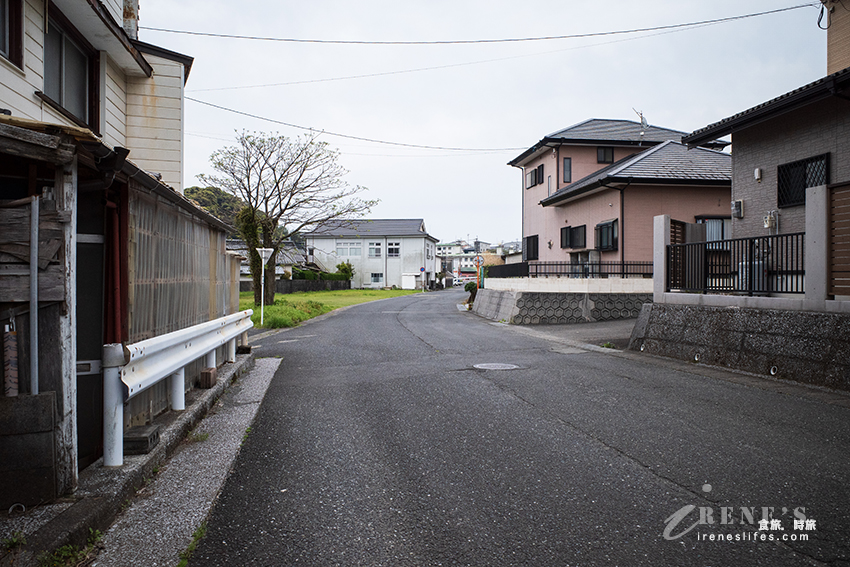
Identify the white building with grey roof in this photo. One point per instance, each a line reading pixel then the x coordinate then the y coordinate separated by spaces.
pixel 383 252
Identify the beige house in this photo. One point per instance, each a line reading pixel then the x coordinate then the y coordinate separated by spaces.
pixel 91 148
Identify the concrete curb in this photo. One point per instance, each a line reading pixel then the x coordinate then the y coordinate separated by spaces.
pixel 103 492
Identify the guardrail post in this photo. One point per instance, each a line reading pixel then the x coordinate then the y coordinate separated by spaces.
pixel 244 339
pixel 178 389
pixel 209 359
pixel 113 405
pixel 231 350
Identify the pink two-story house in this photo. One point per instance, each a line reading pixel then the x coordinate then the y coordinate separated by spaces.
pixel 590 191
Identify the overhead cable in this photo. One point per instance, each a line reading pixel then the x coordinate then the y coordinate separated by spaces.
pixel 347 136
pixel 480 41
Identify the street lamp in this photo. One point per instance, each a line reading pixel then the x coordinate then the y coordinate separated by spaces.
pixel 265 254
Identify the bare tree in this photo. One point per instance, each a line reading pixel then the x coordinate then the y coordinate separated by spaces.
pixel 290 183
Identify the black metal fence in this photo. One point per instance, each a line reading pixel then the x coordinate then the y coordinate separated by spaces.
pixel 752 266
pixel 517 270
pixel 572 270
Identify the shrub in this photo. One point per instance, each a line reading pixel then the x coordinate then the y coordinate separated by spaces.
pixel 334 277
pixel 470 287
pixel 346 269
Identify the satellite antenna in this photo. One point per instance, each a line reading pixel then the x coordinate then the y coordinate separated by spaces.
pixel 644 125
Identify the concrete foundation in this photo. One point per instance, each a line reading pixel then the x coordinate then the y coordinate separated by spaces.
pixel 533 308
pixel 801 346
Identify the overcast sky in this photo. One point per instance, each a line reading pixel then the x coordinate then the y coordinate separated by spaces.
pixel 497 97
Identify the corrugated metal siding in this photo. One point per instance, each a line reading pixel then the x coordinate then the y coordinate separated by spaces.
pixel 179 275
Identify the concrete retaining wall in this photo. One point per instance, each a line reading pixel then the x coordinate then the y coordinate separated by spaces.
pixel 533 308
pixel 808 347
pixel 571 285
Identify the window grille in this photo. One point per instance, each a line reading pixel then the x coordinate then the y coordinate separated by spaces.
pixel 793 179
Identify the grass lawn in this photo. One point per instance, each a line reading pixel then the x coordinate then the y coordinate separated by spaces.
pixel 292 308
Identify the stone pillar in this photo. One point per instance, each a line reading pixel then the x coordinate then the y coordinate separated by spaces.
pixel 660 241
pixel 817 244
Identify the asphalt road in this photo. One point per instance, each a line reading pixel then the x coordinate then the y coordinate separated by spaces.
pixel 380 443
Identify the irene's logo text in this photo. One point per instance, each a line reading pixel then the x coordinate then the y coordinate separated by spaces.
pixel 766 519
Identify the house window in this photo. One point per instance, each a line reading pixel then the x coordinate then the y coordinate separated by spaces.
pixel 11 31
pixel 549 188
pixel 348 249
pixel 716 229
pixel 529 248
pixel 606 235
pixel 377 277
pixel 534 176
pixel 70 72
pixel 604 155
pixel 573 236
pixel 568 170
pixel 374 249
pixel 393 249
pixel 578 236
pixel 794 178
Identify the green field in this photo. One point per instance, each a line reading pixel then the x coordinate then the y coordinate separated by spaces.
pixel 291 309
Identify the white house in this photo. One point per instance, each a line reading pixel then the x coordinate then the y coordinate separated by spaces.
pixel 383 252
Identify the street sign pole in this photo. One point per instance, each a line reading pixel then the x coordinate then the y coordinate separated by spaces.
pixel 265 254
pixel 422 271
pixel 479 261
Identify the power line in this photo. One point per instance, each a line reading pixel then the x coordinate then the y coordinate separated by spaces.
pixel 347 136
pixel 480 41
pixel 438 67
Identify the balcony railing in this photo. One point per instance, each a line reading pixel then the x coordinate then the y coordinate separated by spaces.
pixel 752 266
pixel 572 270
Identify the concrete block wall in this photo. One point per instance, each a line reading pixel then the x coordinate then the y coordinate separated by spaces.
pixel 540 308
pixel 801 346
pixel 572 285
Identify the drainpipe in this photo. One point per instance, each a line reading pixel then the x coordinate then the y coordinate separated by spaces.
pixel 34 296
pixel 622 235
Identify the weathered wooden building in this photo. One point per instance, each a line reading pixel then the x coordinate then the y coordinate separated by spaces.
pixel 91 142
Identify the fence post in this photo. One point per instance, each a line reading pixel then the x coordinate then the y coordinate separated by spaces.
pixel 750 265
pixel 661 240
pixel 113 405
pixel 816 244
pixel 178 389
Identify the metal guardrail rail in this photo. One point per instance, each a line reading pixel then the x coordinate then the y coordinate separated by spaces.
pixel 129 370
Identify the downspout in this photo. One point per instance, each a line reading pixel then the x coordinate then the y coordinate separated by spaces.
pixel 622 235
pixel 116 276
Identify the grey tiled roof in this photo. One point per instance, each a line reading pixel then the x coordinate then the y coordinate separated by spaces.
pixel 364 228
pixel 601 131
pixel 669 162
pixel 605 130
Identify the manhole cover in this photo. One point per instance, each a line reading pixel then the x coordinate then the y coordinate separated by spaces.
pixel 495 366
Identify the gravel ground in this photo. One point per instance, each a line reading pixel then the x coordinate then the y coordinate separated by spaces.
pixel 159 523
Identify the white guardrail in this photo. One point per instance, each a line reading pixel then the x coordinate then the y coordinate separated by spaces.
pixel 128 370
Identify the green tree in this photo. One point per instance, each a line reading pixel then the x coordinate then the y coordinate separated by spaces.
pixel 220 204
pixel 296 183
